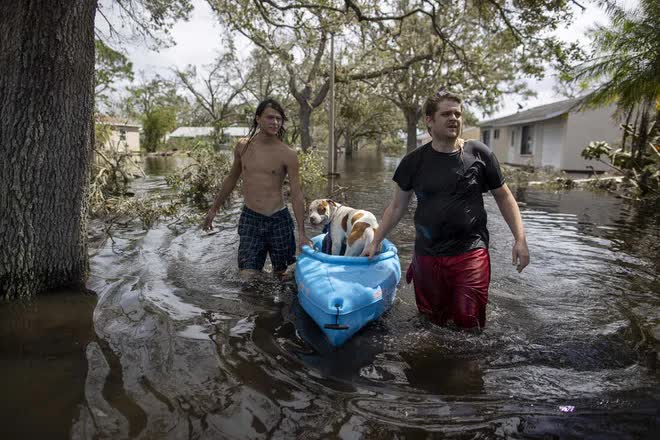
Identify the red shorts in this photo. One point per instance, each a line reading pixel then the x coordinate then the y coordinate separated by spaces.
pixel 454 287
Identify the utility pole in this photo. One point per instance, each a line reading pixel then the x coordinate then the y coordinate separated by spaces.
pixel 332 154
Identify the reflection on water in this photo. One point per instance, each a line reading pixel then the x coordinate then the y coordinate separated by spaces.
pixel 162 165
pixel 43 368
pixel 180 348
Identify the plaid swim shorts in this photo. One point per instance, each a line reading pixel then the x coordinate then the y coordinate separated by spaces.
pixel 263 235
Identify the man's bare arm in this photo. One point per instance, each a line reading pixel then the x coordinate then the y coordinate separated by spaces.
pixel 297 198
pixel 391 217
pixel 509 209
pixel 228 185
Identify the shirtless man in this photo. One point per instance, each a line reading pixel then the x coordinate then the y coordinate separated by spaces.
pixel 265 226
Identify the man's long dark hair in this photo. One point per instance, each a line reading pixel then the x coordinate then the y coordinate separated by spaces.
pixel 263 105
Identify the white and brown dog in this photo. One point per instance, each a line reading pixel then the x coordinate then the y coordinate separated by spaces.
pixel 355 227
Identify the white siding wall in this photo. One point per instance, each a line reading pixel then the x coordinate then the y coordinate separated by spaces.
pixel 553 139
pixel 471 133
pixel 539 144
pixel 584 127
pixel 499 145
pixel 513 155
pixel 513 134
pixel 132 142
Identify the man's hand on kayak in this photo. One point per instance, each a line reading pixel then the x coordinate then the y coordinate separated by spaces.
pixel 371 250
pixel 303 239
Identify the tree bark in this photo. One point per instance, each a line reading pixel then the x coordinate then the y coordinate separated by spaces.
pixel 305 109
pixel 412 116
pixel 348 145
pixel 305 114
pixel 46 132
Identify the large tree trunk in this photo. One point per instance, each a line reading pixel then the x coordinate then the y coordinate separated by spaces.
pixel 46 104
pixel 305 113
pixel 412 116
pixel 348 145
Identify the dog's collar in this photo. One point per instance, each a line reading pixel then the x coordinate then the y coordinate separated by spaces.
pixel 326 228
pixel 334 214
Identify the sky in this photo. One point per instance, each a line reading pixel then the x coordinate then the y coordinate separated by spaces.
pixel 197 43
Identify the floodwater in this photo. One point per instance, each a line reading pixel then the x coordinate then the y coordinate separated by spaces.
pixel 175 346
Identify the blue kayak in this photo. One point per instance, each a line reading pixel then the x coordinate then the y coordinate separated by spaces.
pixel 343 294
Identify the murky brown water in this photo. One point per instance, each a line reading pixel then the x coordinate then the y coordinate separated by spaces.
pixel 176 347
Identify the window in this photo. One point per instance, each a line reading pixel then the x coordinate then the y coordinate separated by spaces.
pixel 513 136
pixel 485 137
pixel 526 140
pixel 122 135
pixel 496 133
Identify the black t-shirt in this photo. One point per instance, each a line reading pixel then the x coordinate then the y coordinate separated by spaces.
pixel 450 218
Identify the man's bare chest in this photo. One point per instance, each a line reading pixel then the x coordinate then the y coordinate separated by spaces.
pixel 263 163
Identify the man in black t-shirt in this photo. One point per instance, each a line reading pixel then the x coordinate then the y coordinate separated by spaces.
pixel 451 265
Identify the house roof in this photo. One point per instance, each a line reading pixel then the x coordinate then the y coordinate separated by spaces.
pixel 237 131
pixel 540 113
pixel 192 132
pixel 208 131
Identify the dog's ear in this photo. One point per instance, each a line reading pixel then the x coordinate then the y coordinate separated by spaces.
pixel 332 202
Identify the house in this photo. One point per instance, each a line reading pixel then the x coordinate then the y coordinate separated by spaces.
pixel 551 135
pixel 235 133
pixel 118 134
pixel 470 133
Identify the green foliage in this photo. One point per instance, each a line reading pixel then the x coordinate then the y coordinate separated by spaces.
pixel 470 119
pixel 184 144
pixel 155 125
pixel 480 65
pixel 603 185
pixel 148 210
pixel 618 158
pixel 197 182
pixel 392 145
pixel 192 188
pixel 156 103
pixel 148 95
pixel 216 87
pixel 625 67
pixel 595 150
pixel 312 173
pixel 361 115
pixel 402 50
pixel 643 173
pixel 625 62
pixel 111 66
pixel 148 20
pixel 266 77
pixel 111 171
pixel 109 196
pixel 545 178
pixel 110 177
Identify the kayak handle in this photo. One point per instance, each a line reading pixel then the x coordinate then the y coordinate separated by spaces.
pixel 336 325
